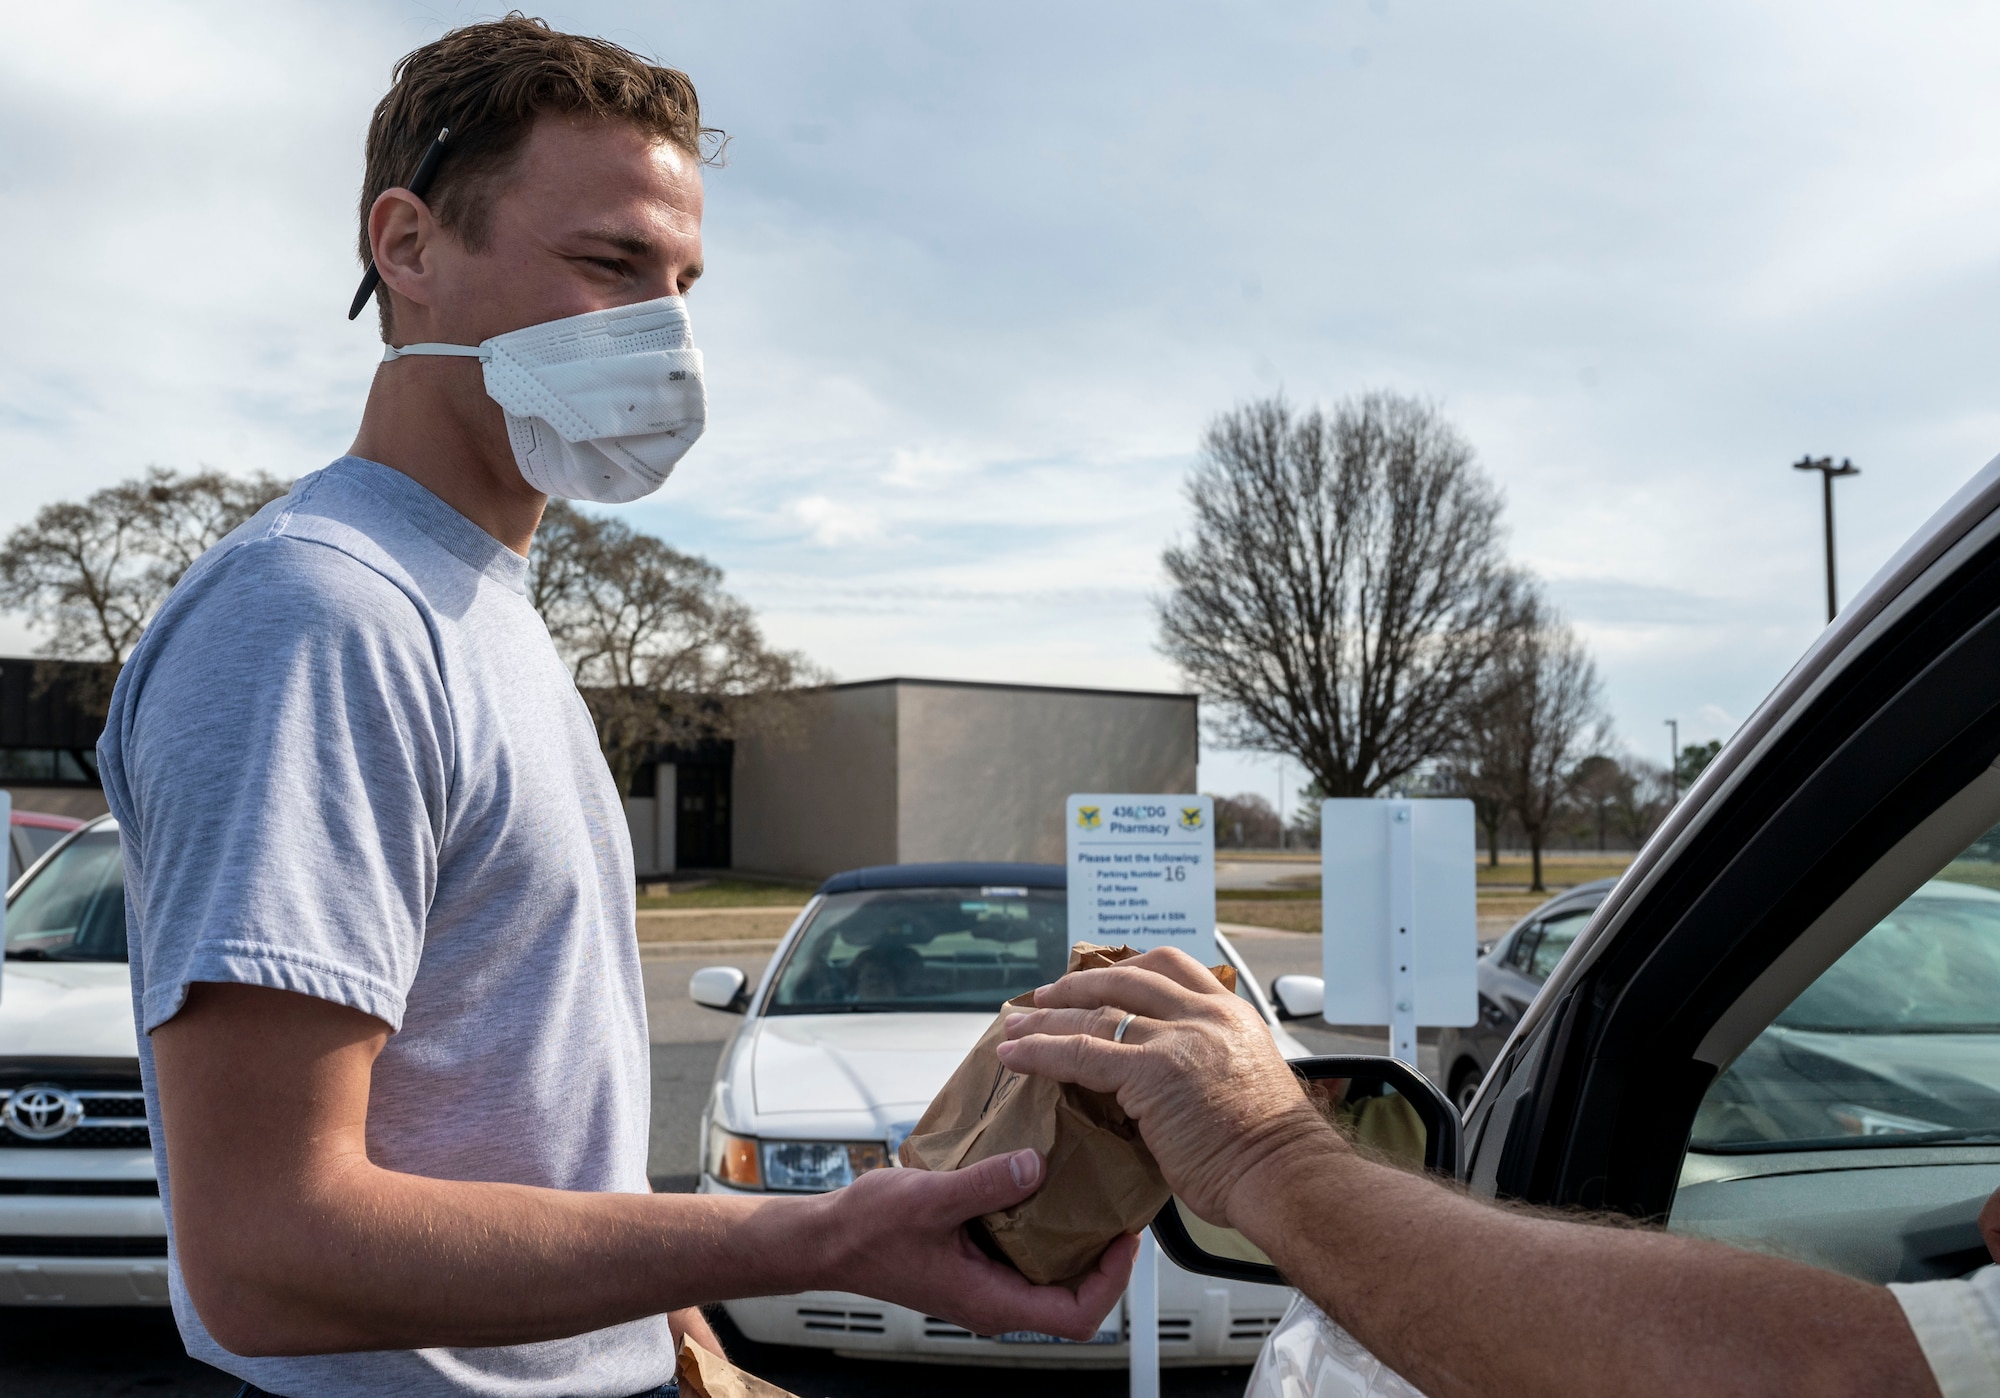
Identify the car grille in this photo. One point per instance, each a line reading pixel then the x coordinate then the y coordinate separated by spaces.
pixel 38 1246
pixel 113 1118
pixel 1174 1329
pixel 149 1188
pixel 1252 1327
pixel 831 1320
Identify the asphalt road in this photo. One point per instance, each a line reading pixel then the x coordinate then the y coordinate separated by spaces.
pixel 57 1353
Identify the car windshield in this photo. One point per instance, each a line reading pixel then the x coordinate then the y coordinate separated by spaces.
pixel 73 909
pixel 943 949
pixel 1896 1043
pixel 1930 967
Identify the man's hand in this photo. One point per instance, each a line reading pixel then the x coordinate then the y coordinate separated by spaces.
pixel 1197 1070
pixel 902 1237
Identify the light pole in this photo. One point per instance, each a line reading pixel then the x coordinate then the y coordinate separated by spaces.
pixel 1281 803
pixel 1827 471
pixel 1674 761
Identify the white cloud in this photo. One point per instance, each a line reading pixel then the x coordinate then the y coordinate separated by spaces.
pixel 972 296
pixel 830 525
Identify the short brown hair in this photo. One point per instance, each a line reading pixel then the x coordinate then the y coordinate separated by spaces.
pixel 488 82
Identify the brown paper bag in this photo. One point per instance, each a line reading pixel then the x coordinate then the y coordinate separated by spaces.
pixel 705 1375
pixel 1101 1180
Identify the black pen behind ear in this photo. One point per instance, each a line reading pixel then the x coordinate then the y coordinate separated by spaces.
pixel 419 185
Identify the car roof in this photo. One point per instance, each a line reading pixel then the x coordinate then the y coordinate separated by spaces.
pixel 1592 893
pixel 959 874
pixel 43 820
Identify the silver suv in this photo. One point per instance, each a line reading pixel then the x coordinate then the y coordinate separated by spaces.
pixel 80 1216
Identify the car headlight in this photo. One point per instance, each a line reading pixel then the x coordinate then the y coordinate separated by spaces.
pixel 1866 1121
pixel 796 1167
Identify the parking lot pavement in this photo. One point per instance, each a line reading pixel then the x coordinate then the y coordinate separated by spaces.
pixel 85 1353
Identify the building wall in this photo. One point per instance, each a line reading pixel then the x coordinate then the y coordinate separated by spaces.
pixel 907 771
pixel 982 772
pixel 77 802
pixel 815 784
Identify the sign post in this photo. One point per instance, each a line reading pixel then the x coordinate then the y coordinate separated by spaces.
pixel 1399 942
pixel 1142 874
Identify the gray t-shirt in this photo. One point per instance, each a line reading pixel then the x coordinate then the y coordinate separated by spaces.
pixel 348 762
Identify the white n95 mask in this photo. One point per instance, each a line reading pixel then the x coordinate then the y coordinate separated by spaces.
pixel 599 406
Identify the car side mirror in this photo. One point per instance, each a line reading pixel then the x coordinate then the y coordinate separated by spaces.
pixel 723 988
pixel 1298 997
pixel 1385 1107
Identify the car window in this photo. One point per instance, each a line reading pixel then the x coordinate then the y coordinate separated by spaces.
pixel 1555 935
pixel 74 907
pixel 945 949
pixel 1896 1043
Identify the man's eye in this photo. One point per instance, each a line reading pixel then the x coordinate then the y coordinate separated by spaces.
pixel 608 264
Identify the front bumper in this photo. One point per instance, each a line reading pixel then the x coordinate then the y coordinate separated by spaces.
pixel 81 1249
pixel 1203 1321
pixel 1218 1328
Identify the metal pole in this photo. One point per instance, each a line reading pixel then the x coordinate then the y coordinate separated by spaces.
pixel 1402 915
pixel 1827 472
pixel 1142 1319
pixel 1674 761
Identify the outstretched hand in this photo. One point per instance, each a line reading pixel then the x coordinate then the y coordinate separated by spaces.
pixel 901 1237
pixel 1197 1069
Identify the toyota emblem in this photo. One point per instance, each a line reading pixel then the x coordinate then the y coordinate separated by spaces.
pixel 41 1112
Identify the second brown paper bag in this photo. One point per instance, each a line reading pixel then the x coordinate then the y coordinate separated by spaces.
pixel 1101 1181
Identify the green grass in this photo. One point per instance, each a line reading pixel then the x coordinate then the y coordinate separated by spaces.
pixel 726 893
pixel 1564 870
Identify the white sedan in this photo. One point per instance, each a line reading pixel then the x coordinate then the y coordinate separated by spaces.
pixel 878 991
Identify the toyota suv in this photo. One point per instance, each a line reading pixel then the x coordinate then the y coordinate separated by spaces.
pixel 80 1216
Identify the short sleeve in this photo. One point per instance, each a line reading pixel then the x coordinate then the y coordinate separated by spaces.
pixel 282 764
pixel 1957 1325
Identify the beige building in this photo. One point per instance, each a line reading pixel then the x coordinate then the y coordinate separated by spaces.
pixel 904 771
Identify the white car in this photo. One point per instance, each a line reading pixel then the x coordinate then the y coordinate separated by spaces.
pixel 80 1216
pixel 878 991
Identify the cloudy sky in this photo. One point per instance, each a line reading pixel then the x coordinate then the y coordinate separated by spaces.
pixel 978 276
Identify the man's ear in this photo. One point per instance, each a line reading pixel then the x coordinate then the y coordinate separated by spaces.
pixel 403 235
pixel 1989 1224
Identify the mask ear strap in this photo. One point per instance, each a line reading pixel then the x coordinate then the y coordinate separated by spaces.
pixel 390 352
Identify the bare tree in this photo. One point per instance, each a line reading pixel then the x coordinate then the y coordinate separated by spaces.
pixel 1245 821
pixel 1600 786
pixel 658 649
pixel 1644 802
pixel 90 574
pixel 1547 713
pixel 1343 590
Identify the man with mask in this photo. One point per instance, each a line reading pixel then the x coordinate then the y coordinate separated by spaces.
pixel 381 892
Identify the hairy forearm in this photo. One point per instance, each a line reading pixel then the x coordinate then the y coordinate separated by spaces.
pixel 366 1258
pixel 1469 1300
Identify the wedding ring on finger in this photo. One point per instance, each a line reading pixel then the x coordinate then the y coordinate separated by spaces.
pixel 1118 1034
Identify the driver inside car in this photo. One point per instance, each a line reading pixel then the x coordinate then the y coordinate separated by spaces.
pixel 1463 1298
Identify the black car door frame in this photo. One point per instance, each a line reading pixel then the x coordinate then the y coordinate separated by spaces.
pixel 1600 1087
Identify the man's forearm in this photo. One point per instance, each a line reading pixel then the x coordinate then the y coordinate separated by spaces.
pixel 379 1260
pixel 1469 1300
